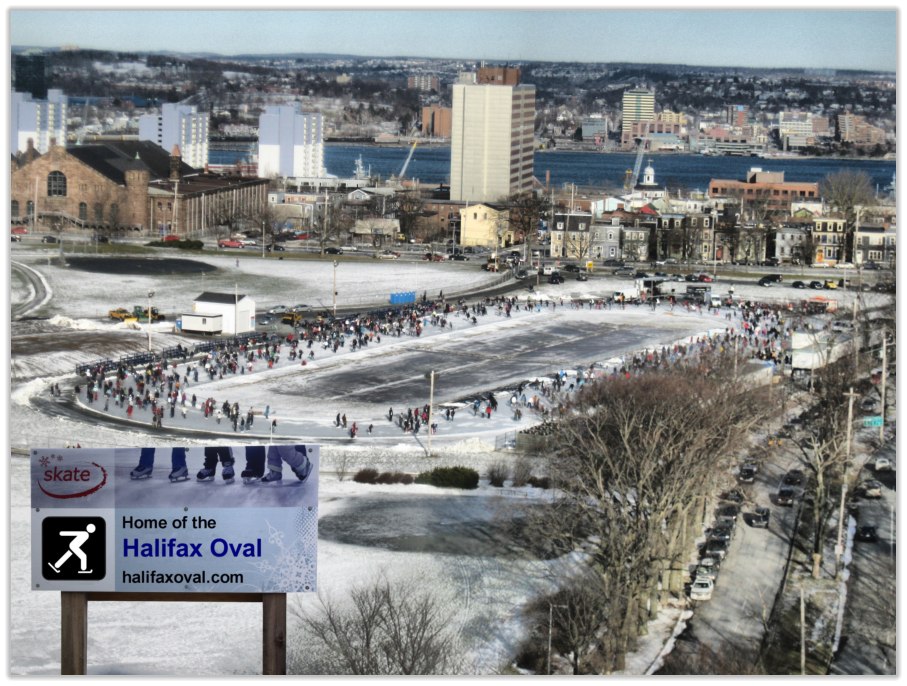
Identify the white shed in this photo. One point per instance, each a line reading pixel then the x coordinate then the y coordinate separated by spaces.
pixel 236 312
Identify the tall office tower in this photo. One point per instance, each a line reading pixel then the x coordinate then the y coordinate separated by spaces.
pixel 40 120
pixel 492 132
pixel 638 105
pixel 290 142
pixel 738 115
pixel 32 75
pixel 181 125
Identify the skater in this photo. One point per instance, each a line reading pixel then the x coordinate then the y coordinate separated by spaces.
pixel 344 421
pixel 337 421
pixel 390 415
pixel 178 472
pixel 370 427
pixel 212 455
pixel 294 455
pixel 184 411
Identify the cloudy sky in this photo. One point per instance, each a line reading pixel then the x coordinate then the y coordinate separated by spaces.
pixel 837 39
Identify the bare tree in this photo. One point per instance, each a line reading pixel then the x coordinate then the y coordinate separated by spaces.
pixel 847 191
pixel 334 225
pixel 384 628
pixel 525 212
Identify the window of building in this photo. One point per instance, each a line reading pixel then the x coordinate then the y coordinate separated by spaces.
pixel 825 226
pixel 475 215
pixel 875 254
pixel 83 211
pixel 98 212
pixel 485 215
pixel 775 192
pixel 169 206
pixel 610 235
pixel 811 194
pixel 582 227
pixel 611 250
pixel 560 225
pixel 160 206
pixel 14 208
pixel 56 184
pixel 114 211
pixel 29 208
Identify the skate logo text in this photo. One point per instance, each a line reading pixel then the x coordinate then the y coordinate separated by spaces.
pixel 76 481
pixel 162 547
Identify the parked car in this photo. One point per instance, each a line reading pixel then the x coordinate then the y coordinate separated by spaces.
pixel 867 534
pixel 276 247
pixel 229 244
pixel 774 278
pixel 266 319
pixel 555 279
pixel 708 568
pixel 706 278
pixel 721 534
pixel 785 496
pixel 691 277
pixel 459 257
pixel 702 589
pixel 609 263
pixel 333 251
pixel 171 237
pixel 16 239
pixel 872 489
pixel 816 285
pixel 277 309
pixel 349 248
pixel 388 255
pixel 798 284
pixel 819 265
pixel 792 480
pixel 845 265
pixel 49 239
pixel 434 257
pixel 571 268
pixel 882 464
pixel 670 260
pixel 872 266
pixel 761 517
pixel 727 512
pixel 868 405
pixel 662 275
pixel 752 463
pixel 765 281
pixel 677 277
pixel 625 271
pixel 771 262
pixel 582 277
pixel 102 239
pixel 19 229
pixel 830 285
pixel 734 496
pixel 301 307
pixel 716 549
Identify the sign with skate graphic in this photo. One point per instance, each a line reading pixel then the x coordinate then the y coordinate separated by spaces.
pixel 201 519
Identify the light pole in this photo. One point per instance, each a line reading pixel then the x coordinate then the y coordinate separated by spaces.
pixel 550 617
pixel 150 296
pixel 335 288
pixel 431 405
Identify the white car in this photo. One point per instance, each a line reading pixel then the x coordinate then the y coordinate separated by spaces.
pixel 278 309
pixel 349 248
pixel 845 265
pixel 702 589
pixel 387 255
pixel 882 464
pixel 819 265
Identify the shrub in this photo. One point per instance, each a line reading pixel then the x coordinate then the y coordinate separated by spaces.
pixel 366 476
pixel 450 477
pixel 498 473
pixel 407 479
pixel 522 470
pixel 535 482
pixel 180 244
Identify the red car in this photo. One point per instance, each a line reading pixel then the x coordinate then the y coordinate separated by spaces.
pixel 302 236
pixel 433 258
pixel 705 278
pixel 19 229
pixel 229 244
pixel 171 237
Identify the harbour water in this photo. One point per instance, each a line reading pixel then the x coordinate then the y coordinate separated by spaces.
pixel 687 172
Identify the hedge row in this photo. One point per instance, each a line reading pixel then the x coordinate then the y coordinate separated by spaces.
pixel 450 477
pixel 180 244
pixel 371 476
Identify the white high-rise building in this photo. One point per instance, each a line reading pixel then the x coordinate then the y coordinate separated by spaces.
pixel 492 132
pixel 40 120
pixel 290 142
pixel 181 125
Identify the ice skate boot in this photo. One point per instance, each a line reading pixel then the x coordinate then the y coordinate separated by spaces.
pixel 205 475
pixel 141 472
pixel 272 477
pixel 227 472
pixel 303 472
pixel 249 477
pixel 179 474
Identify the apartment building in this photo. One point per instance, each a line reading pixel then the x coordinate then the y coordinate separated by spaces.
pixel 423 82
pixel 180 125
pixel 638 105
pixel 571 236
pixel 290 142
pixel 436 121
pixel 41 121
pixel 828 239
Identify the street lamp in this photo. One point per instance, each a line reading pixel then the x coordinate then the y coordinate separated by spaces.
pixel 431 405
pixel 150 296
pixel 335 288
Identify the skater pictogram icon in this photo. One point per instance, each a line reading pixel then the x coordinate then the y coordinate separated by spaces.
pixel 75 548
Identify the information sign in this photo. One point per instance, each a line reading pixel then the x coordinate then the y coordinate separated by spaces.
pixel 219 519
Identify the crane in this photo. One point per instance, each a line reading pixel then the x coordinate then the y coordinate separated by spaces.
pixel 408 158
pixel 634 177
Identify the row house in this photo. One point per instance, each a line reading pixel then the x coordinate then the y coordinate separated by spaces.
pixel 827 243
pixel 571 236
pixel 688 237
pixel 876 243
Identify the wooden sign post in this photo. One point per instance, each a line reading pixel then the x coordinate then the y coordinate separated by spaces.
pixel 74 625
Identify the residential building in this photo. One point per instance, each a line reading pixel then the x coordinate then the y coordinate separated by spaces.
pixel 423 82
pixel 688 237
pixel 789 242
pixel 486 225
pixel 290 142
pixel 31 74
pixel 571 236
pixel 876 243
pixel 638 105
pixel 737 115
pixel 181 125
pixel 129 185
pixel 492 136
pixel 852 128
pixel 669 117
pixel 606 239
pixel 634 243
pixel 436 121
pixel 41 121
pixel 827 239
pixel 764 187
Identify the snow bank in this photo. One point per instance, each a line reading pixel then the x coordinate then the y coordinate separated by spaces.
pixel 471 445
pixel 78 324
pixel 669 646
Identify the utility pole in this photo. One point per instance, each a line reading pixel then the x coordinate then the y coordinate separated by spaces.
pixel 802 633
pixel 884 377
pixel 335 288
pixel 431 406
pixel 853 334
pixel 839 549
pixel 850 398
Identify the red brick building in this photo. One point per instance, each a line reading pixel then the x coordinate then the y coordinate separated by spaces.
pixel 764 186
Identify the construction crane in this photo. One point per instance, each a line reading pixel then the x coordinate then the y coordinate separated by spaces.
pixel 408 158
pixel 633 177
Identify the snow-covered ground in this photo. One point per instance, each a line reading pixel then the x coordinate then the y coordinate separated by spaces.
pixel 267 281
